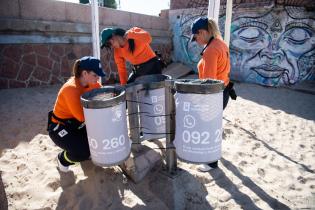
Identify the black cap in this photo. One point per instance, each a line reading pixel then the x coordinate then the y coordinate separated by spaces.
pixel 200 23
pixel 93 64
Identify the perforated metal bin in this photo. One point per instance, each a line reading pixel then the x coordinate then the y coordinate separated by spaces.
pixel 147 107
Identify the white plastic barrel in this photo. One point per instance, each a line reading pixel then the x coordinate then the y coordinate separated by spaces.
pixel 199 112
pixel 106 124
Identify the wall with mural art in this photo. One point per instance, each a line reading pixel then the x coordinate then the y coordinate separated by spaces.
pixel 271 46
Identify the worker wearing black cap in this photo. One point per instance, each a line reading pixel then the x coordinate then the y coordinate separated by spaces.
pixel 214 62
pixel 66 122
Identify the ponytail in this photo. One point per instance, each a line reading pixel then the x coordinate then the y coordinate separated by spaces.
pixel 214 29
pixel 131 43
pixel 76 71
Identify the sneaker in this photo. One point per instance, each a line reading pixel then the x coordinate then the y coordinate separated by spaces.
pixel 61 167
pixel 205 168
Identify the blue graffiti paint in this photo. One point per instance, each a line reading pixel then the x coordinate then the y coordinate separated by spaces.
pixel 270 52
pixel 272 48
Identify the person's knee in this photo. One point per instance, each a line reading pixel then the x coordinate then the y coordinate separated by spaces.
pixel 79 156
pixel 83 156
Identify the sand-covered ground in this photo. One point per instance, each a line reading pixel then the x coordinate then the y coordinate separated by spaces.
pixel 268 160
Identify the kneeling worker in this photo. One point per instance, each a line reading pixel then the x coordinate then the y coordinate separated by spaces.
pixel 66 122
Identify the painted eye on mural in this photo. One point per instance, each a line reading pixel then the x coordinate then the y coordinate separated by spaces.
pixel 250 34
pixel 249 38
pixel 297 36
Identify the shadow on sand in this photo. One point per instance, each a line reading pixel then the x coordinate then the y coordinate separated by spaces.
pixel 108 188
pixel 3 197
pixel 242 199
pixel 289 101
pixel 103 188
pixel 254 137
pixel 24 114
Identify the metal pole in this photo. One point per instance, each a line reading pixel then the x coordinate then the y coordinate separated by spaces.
pixel 214 10
pixel 133 114
pixel 228 18
pixel 95 30
pixel 171 158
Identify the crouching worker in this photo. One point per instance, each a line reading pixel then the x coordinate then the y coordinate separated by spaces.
pixel 132 46
pixel 66 122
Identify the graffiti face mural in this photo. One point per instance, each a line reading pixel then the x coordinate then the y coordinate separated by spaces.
pixel 185 51
pixel 273 49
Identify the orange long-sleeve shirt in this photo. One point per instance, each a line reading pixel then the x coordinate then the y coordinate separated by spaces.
pixel 215 62
pixel 141 54
pixel 68 103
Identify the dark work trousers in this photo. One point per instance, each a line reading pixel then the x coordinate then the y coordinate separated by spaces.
pixel 153 66
pixel 74 141
pixel 226 97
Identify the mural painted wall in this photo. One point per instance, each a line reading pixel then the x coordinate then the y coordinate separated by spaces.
pixel 269 46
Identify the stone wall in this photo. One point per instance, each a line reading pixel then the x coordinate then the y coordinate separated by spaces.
pixel 40 40
pixel 29 65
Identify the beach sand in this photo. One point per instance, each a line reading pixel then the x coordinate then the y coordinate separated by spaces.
pixel 268 160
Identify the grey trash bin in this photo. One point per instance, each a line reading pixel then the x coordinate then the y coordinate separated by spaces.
pixel 199 109
pixel 151 105
pixel 106 124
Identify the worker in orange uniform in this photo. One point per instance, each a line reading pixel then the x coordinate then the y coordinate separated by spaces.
pixel 214 62
pixel 66 122
pixel 132 46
